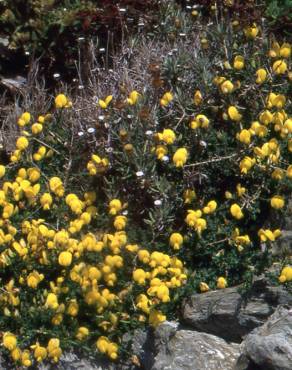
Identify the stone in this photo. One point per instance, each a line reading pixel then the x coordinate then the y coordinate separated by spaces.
pixel 269 347
pixel 179 349
pixel 230 314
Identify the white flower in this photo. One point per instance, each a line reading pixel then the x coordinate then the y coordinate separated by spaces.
pixel 158 202
pixel 91 130
pixel 139 173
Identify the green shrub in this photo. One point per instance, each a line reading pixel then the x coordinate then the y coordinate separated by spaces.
pixel 60 31
pixel 155 182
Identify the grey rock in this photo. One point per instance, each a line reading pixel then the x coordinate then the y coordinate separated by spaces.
pixel 232 315
pixel 283 246
pixel 269 347
pixel 191 350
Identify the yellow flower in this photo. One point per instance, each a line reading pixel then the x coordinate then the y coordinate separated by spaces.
pixel 266 235
pixel 102 344
pixel 22 143
pixel 244 136
pixel 202 121
pixel 24 119
pixel 34 278
pixel 246 164
pixel 40 353
pixel 226 87
pixel 61 101
pixel 279 67
pixel 168 136
pixel 221 283
pixel 144 255
pixel 52 301
pixel 104 103
pixel 16 354
pixel 285 50
pixel 65 258
pixel 210 207
pixel 33 174
pixel 2 171
pixel 115 206
pixel 287 272
pixel 278 174
pixel 176 240
pixel 189 195
pixel 82 333
pixel 240 190
pixel 139 276
pixel 236 212
pixel 54 350
pixel 266 117
pixel 289 171
pixel 56 186
pixel 9 341
pixel 277 202
pixel 180 157
pixel 166 99
pixel 251 32
pixel 233 114
pixel 133 97
pixel 156 317
pixel 120 222
pixel 73 308
pixel 261 76
pixel 46 201
pixel 36 128
pixel 204 287
pixel 238 62
pixel 161 151
pixel 25 358
pixel 198 98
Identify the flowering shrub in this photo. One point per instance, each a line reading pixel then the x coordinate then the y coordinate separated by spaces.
pixel 160 188
pixel 59 31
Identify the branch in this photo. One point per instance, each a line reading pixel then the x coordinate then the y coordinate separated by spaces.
pixel 213 160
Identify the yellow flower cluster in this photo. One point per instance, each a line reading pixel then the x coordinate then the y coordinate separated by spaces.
pixel 78 255
pixel 97 165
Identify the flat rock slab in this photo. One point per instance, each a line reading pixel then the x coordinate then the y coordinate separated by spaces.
pixel 191 350
pixel 231 315
pixel 269 347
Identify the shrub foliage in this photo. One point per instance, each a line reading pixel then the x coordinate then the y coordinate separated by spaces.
pixel 113 207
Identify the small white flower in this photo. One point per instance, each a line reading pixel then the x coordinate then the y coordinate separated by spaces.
pixel 102 50
pixel 203 143
pixel 139 173
pixel 158 202
pixel 124 213
pixel 81 38
pixel 91 130
pixel 80 87
pixel 165 158
pixel 149 133
pixel 27 53
pixel 129 116
pixel 80 133
pixel 56 75
pixel 101 118
pixel 109 150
